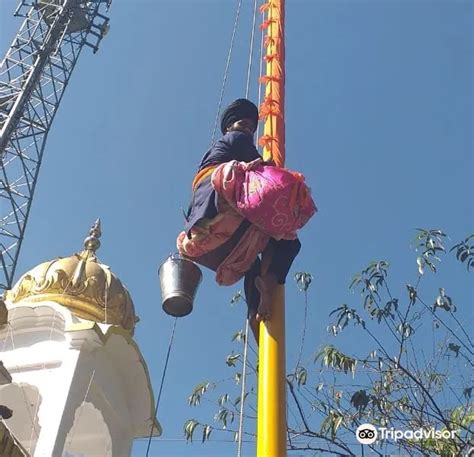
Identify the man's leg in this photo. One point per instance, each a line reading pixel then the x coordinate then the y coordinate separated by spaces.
pixel 276 262
pixel 252 296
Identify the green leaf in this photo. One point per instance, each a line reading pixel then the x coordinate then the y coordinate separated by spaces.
pixel 232 359
pixel 331 423
pixel 206 432
pixel 303 280
pixel 223 399
pixel 429 242
pixel 454 348
pixel 411 294
pixel 406 330
pixel 236 298
pixel 189 427
pixel 195 398
pixel 237 400
pixel 332 358
pixel 239 336
pixel 465 251
pixel 301 376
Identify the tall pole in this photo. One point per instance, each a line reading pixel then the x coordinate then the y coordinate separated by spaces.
pixel 271 424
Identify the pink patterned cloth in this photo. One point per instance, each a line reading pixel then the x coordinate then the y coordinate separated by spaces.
pixel 210 234
pixel 274 199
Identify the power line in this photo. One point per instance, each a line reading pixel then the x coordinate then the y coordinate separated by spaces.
pixel 161 386
pixel 226 71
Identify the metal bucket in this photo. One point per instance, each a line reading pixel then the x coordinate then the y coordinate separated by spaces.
pixel 179 281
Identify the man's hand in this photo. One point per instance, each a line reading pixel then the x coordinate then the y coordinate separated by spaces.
pixel 255 164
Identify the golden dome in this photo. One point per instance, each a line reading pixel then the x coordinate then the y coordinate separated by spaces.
pixel 80 283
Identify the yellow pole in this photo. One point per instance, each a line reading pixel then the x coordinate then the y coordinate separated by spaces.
pixel 271 423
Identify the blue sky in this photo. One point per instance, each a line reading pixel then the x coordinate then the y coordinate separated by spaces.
pixel 379 119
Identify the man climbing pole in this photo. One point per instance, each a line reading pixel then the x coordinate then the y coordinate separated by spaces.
pixel 243 207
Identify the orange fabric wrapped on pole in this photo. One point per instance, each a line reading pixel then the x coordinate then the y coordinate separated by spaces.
pixel 272 110
pixel 271 423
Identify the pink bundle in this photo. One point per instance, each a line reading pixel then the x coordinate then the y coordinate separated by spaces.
pixel 274 199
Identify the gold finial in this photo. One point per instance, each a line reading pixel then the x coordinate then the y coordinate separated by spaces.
pixel 80 283
pixel 92 243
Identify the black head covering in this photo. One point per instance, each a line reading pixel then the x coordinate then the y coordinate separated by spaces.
pixel 237 110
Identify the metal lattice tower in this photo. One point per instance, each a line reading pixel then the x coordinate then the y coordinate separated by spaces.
pixel 33 77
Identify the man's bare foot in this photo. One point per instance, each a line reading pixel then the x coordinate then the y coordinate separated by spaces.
pixel 263 312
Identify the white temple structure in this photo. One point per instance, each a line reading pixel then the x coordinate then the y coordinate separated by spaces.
pixel 79 384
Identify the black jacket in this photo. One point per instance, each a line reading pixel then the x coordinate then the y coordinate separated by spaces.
pixel 232 146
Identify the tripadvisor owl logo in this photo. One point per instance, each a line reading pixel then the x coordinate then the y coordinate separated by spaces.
pixel 366 434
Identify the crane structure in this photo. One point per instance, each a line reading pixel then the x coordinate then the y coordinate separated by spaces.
pixel 33 77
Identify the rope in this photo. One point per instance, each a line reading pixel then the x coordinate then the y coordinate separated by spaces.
pixel 184 440
pixel 76 420
pixel 11 312
pixel 106 301
pixel 242 392
pixel 161 386
pixel 53 321
pixel 252 39
pixel 10 333
pixel 27 403
pixel 226 71
pixel 33 428
pixel 246 344
pixel 305 321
